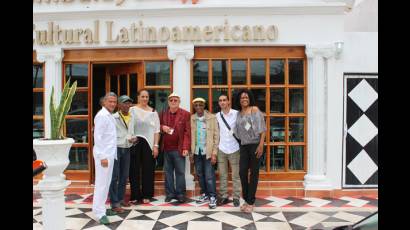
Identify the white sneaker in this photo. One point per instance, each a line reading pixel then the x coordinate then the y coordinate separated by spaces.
pixel 212 202
pixel 202 199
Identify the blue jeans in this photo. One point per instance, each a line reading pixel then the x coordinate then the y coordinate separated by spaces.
pixel 206 175
pixel 173 161
pixel 119 177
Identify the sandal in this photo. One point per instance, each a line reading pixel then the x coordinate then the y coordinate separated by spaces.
pixel 249 209
pixel 244 206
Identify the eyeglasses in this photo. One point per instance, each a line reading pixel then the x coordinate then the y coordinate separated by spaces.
pixel 173 100
pixel 199 105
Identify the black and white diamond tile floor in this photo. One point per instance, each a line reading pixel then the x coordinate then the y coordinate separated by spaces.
pixel 273 213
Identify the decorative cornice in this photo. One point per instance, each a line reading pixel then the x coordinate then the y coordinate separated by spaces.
pixel 55 54
pixel 320 50
pixel 186 50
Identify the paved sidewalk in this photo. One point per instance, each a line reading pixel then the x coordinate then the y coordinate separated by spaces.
pixel 272 212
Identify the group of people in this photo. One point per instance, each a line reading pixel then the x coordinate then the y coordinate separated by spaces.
pixel 127 142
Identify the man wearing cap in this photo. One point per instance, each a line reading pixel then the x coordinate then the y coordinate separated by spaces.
pixel 176 142
pixel 122 163
pixel 204 149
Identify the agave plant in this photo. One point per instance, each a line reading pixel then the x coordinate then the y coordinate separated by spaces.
pixel 58 113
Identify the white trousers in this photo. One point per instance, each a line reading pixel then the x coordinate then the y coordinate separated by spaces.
pixel 102 185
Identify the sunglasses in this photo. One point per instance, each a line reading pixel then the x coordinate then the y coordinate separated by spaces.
pixel 199 105
pixel 173 100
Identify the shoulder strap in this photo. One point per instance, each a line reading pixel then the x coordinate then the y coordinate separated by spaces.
pixel 123 120
pixel 226 123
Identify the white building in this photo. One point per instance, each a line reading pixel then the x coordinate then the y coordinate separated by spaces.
pixel 312 66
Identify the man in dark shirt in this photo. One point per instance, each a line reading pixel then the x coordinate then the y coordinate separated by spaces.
pixel 176 134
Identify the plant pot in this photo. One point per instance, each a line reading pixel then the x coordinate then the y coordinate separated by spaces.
pixel 54 153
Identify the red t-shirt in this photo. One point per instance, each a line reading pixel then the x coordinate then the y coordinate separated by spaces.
pixel 171 141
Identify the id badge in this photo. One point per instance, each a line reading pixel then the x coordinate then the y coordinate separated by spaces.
pixel 247 126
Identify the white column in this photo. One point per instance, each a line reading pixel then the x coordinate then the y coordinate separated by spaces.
pixel 316 178
pixel 182 55
pixel 52 77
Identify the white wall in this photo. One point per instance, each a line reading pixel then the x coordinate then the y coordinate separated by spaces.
pixel 361 52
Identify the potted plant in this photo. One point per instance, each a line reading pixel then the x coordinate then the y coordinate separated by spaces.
pixel 54 151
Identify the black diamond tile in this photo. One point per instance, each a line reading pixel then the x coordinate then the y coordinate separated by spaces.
pixel 374 179
pixel 165 214
pixel 333 219
pixel 39 213
pixel 91 223
pixel 373 82
pixel 351 179
pixel 372 149
pixel 158 225
pixel 142 217
pixel 373 202
pixel 244 215
pixel 114 225
pixel 327 213
pixel 372 113
pixel 35 208
pixel 34 221
pixel 267 213
pixel 226 226
pixel 70 197
pixel 84 210
pixel 124 214
pixel 261 201
pixel 181 226
pixel 353 148
pixel 318 226
pixel 296 227
pixel 292 215
pixel 297 202
pixel 146 211
pixel 352 83
pixel 269 219
pixel 336 202
pixel 353 112
pixel 250 226
pixel 205 213
pixel 364 214
pixel 204 218
pixel 80 215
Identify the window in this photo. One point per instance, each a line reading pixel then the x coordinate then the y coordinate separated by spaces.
pixel 277 79
pixel 158 79
pixel 77 119
pixel 38 100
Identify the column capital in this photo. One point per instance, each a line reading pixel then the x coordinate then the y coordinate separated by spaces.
pixel 186 50
pixel 55 54
pixel 320 50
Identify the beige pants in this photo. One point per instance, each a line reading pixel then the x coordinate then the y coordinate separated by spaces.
pixel 223 160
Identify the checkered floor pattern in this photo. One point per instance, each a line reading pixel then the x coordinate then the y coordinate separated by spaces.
pixel 266 202
pixel 271 213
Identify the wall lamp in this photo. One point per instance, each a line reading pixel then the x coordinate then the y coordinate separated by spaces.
pixel 338 49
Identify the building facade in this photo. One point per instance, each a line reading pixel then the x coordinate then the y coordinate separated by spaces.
pixel 313 76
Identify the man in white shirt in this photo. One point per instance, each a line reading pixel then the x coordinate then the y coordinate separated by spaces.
pixel 105 152
pixel 228 151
